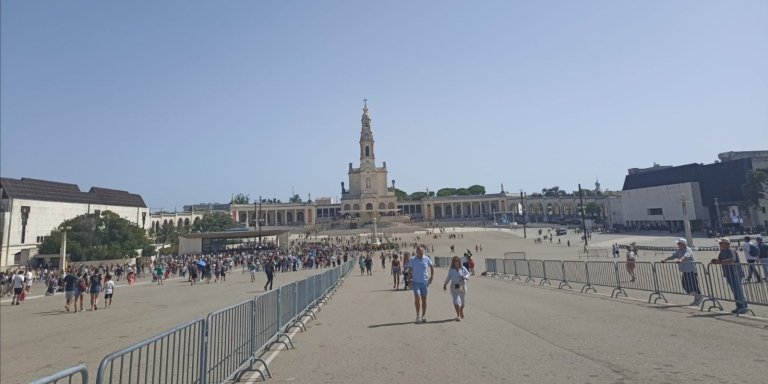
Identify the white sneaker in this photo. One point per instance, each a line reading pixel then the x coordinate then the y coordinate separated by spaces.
pixel 423 319
pixel 418 320
pixel 698 299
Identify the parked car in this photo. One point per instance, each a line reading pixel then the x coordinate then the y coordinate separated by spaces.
pixel 561 231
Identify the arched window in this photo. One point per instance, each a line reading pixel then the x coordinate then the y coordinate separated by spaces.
pixel 369 207
pixel 367 151
pixel 382 206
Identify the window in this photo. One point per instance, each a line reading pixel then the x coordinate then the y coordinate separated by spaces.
pixel 367 151
pixel 655 212
pixel 367 182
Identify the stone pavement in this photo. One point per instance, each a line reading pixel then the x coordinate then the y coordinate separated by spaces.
pixel 518 333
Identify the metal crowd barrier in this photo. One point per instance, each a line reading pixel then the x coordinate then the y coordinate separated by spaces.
pixel 490 267
pixel 724 279
pixel 230 342
pixel 220 347
pixel 508 268
pixel 174 356
pixel 443 261
pixel 715 282
pixel 67 374
pixel 515 255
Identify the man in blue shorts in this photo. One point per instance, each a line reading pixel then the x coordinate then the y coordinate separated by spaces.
pixel 420 279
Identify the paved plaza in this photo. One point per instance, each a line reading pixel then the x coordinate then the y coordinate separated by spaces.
pixel 513 332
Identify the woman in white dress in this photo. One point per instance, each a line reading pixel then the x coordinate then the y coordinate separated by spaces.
pixel 457 277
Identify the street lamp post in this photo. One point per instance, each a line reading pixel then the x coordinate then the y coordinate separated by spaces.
pixel 63 249
pixel 522 211
pixel 260 221
pixel 583 218
pixel 686 223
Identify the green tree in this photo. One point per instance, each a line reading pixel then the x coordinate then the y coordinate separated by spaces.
pixel 446 192
pixel 98 237
pixel 462 192
pixel 476 190
pixel 419 195
pixel 755 187
pixel 295 198
pixel 401 195
pixel 214 222
pixel 241 199
pixel 592 209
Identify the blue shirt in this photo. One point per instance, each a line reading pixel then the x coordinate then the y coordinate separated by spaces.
pixel 419 269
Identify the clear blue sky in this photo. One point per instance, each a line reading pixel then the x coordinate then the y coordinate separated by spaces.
pixel 186 102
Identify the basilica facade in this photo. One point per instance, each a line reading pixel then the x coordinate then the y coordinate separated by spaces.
pixel 369 195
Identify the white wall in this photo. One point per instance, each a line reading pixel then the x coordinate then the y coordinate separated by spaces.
pixel 636 202
pixel 44 216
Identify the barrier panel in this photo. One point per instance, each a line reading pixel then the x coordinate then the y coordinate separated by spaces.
pixel 555 270
pixel 303 299
pixel 174 356
pixel 602 273
pixel 635 275
pixel 724 279
pixel 576 272
pixel 287 305
pixel 536 269
pixel 515 255
pixel 490 267
pixel 508 267
pixel 669 279
pixel 267 321
pixel 230 345
pixel 594 253
pixel 442 261
pixel 67 374
pixel 521 268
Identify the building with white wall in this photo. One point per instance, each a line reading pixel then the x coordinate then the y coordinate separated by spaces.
pixel 30 209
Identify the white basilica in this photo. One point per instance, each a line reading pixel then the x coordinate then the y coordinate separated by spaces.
pixel 368 195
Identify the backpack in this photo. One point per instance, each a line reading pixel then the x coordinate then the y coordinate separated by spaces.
pixel 754 251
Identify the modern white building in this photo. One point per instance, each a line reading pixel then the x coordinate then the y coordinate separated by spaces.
pixel 30 209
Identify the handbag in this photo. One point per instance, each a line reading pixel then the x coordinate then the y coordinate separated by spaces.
pixel 458 287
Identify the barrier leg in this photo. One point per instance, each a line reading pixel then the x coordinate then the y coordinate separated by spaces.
pixel 564 284
pixel 288 345
pixel 545 280
pixel 659 296
pixel 266 368
pixel 530 279
pixel 618 291
pixel 587 287
pixel 715 304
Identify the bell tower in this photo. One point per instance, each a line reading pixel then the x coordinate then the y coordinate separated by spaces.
pixel 367 157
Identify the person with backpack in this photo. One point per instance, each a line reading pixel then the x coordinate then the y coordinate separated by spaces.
pixel 752 254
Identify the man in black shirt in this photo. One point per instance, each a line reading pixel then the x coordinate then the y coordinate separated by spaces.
pixel 70 285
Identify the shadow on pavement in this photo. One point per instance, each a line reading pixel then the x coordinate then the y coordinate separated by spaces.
pixel 411 322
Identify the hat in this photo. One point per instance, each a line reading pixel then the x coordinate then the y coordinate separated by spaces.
pixel 681 241
pixel 723 240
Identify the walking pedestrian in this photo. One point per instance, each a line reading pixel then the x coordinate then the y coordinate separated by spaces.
pixel 71 288
pixel 752 254
pixel 729 259
pixel 396 271
pixel 109 290
pixel 457 277
pixel 420 280
pixel 687 266
pixel 95 289
pixel 269 269
pixel 630 265
pixel 17 282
